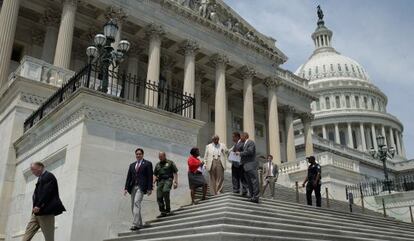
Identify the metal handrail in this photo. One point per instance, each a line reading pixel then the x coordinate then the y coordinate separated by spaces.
pixel 123 86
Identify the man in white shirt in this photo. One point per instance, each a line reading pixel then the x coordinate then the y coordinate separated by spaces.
pixel 215 159
pixel 269 176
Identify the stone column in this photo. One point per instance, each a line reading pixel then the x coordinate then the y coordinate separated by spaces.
pixel 363 143
pixel 398 147
pixel 273 120
pixel 247 73
pixel 190 48
pixel 324 136
pixel 402 145
pixel 198 92
pixel 374 137
pixel 65 36
pixel 392 141
pixel 51 20
pixel 133 59
pixel 154 33
pixel 167 100
pixel 290 136
pixel 8 19
pixel 384 135
pixel 337 137
pixel 307 121
pixel 220 124
pixel 350 139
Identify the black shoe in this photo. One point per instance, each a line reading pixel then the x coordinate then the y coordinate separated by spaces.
pixel 244 194
pixel 162 215
pixel 135 228
pixel 254 200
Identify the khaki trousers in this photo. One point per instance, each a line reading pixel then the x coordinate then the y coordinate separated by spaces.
pixel 216 177
pixel 45 223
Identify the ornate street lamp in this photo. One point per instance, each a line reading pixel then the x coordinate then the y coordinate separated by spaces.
pixel 104 55
pixel 383 154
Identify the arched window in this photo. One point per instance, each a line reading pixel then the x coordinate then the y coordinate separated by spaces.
pixel 346 68
pixel 337 102
pixel 316 70
pixel 365 103
pixel 357 102
pixel 332 69
pixel 339 67
pixel 318 104
pixel 347 102
pixel 327 103
pixel 372 104
pixel 324 68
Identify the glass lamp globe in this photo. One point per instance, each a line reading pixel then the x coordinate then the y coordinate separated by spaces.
pixel 380 140
pixel 123 46
pixel 392 151
pixel 99 40
pixel 372 152
pixel 111 29
pixel 92 52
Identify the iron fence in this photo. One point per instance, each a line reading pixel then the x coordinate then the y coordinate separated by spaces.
pixel 399 184
pixel 123 86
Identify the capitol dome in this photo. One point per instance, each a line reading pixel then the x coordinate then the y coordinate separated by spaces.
pixel 326 63
pixel 351 110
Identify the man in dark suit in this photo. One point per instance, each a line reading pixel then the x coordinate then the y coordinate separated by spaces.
pixel 46 204
pixel 250 165
pixel 237 173
pixel 138 183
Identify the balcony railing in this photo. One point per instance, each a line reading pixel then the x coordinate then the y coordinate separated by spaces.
pixel 122 86
pixel 375 188
pixel 39 70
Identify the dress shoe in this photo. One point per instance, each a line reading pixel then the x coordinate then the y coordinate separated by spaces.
pixel 135 228
pixel 162 215
pixel 254 200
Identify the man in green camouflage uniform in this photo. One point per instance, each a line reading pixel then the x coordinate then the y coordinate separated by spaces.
pixel 165 175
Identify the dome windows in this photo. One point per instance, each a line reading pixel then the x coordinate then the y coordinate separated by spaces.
pixel 332 68
pixel 337 102
pixel 327 103
pixel 357 102
pixel 339 68
pixel 347 101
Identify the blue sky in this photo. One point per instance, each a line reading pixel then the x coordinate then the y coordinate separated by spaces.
pixel 379 34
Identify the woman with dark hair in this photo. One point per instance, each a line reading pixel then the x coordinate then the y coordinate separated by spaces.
pixel 195 176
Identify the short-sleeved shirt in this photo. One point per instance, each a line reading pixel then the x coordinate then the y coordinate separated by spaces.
pixel 165 170
pixel 313 171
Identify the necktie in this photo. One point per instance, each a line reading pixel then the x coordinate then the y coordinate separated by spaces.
pixel 138 166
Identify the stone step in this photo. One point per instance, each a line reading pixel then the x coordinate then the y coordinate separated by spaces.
pixel 285 224
pixel 281 216
pixel 228 236
pixel 277 232
pixel 276 205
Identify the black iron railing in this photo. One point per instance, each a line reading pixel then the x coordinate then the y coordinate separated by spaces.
pixel 399 184
pixel 123 86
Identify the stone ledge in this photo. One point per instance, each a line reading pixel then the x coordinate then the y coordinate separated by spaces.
pixel 90 105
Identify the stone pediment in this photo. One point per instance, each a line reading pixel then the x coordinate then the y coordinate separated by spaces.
pixel 221 17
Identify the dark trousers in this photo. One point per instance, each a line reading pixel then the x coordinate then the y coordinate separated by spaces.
pixel 252 179
pixel 238 179
pixel 309 189
pixel 163 195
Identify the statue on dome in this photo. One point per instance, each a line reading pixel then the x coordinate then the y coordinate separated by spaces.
pixel 320 12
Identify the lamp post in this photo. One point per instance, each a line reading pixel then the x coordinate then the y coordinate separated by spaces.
pixel 383 154
pixel 104 55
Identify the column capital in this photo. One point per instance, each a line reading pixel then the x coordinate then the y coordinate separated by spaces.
pixel 272 82
pixel 307 117
pixel 72 3
pixel 116 13
pixel 288 109
pixel 135 50
pixel 167 62
pixel 153 30
pixel 219 59
pixel 247 72
pixel 51 17
pixel 38 37
pixel 189 47
pixel 200 73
